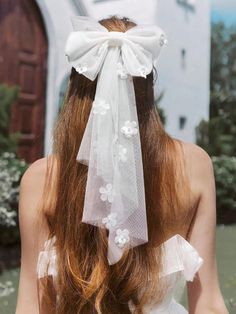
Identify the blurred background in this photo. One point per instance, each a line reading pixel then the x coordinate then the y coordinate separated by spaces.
pixel 195 95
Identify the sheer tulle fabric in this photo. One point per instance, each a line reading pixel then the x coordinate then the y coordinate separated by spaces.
pixel 115 194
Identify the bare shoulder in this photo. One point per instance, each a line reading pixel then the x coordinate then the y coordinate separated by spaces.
pixel 34 231
pixel 33 182
pixel 32 186
pixel 31 197
pixel 198 156
pixel 35 174
pixel 198 165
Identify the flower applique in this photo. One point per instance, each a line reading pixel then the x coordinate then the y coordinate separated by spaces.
pixel 121 71
pixel 122 153
pixel 107 193
pixel 81 68
pixel 122 237
pixel 100 107
pixel 129 129
pixel 110 220
pixel 143 71
pixel 163 41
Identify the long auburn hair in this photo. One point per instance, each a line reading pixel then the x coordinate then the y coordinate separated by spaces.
pixel 85 281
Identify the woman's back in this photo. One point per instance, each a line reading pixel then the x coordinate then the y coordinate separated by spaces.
pixel 201 225
pixel 135 255
pixel 194 159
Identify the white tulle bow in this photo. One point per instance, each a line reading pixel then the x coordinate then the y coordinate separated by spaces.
pixel 115 194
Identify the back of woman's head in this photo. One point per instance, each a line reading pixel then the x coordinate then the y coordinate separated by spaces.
pixel 86 283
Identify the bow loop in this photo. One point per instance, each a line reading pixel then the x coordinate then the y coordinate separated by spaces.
pixel 137 61
pixel 86 52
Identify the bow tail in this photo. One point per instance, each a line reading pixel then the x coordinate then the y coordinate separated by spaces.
pixel 115 196
pixel 131 229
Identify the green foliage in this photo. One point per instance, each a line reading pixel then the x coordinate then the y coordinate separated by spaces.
pixel 217 136
pixel 159 109
pixel 223 63
pixel 8 141
pixel 11 171
pixel 202 135
pixel 225 176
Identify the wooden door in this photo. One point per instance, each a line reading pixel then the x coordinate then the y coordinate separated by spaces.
pixel 23 60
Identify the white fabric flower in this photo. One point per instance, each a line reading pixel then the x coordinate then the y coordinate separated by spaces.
pixel 121 71
pixel 143 71
pixel 163 41
pixel 100 107
pixel 81 68
pixel 122 151
pixel 110 220
pixel 122 237
pixel 129 129
pixel 107 193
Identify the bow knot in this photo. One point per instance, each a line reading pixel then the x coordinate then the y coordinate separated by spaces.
pixel 116 39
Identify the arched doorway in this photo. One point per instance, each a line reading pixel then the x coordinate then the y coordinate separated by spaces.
pixel 23 62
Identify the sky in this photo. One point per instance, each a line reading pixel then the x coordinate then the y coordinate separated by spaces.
pixel 224 10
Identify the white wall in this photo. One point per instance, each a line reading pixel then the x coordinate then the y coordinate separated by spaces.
pixel 56 15
pixel 186 90
pixel 139 11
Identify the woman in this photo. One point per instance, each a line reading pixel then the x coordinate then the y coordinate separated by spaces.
pixel 180 209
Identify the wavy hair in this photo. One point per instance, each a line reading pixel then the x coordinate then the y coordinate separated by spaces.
pixel 85 282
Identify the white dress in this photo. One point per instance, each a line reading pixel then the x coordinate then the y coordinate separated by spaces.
pixel 181 263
